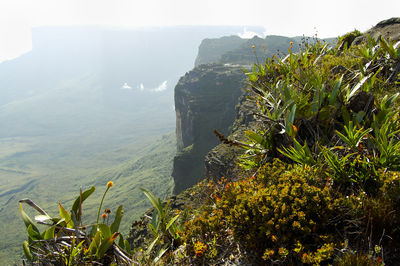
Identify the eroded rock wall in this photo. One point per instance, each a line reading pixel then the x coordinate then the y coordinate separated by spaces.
pixel 205 99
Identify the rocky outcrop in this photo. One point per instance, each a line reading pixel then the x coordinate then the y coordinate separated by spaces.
pixel 205 99
pixel 221 160
pixel 389 28
pixel 257 49
pixel 235 50
pixel 210 50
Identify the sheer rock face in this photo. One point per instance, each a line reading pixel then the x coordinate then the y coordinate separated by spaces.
pixel 389 28
pixel 221 160
pixel 205 99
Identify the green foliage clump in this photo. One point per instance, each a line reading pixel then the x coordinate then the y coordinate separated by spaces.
pixel 318 107
pixel 281 214
pixel 67 241
pixel 346 40
pixel 163 227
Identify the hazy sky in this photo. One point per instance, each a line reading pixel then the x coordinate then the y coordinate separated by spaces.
pixel 289 17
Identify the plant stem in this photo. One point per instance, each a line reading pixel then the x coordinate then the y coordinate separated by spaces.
pixel 101 204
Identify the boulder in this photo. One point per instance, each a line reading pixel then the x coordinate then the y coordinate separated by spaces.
pixel 388 29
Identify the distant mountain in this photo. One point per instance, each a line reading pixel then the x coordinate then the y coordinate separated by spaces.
pixel 210 50
pixel 235 50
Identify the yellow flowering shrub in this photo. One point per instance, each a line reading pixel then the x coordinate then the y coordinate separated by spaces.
pixel 199 248
pixel 204 230
pixel 281 215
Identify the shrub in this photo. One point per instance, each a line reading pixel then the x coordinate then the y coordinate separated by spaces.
pixel 282 214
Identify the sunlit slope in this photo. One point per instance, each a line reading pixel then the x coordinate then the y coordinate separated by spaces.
pixel 150 167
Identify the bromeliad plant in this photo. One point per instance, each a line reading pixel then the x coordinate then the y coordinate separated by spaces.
pixel 163 227
pixel 66 241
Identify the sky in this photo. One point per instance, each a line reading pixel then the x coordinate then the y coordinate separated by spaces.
pixel 280 17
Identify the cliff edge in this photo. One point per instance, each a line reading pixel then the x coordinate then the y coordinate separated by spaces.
pixel 205 99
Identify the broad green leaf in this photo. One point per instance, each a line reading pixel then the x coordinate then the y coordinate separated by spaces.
pixel 160 254
pixel 153 230
pixel 27 220
pixel 335 91
pixel 289 121
pixel 78 201
pixel 95 243
pixel 127 247
pixel 93 230
pixel 256 137
pixel 326 112
pixel 27 250
pixel 49 233
pixel 171 222
pixel 292 114
pixel 155 220
pixel 121 242
pixel 357 86
pixel 345 115
pixel 34 235
pixel 156 203
pixel 105 230
pixel 106 244
pixel 359 116
pixel 64 214
pixel 388 48
pixel 117 220
pixel 391 99
pixel 253 77
pixel 152 245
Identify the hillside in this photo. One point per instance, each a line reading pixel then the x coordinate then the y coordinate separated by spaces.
pixel 135 170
